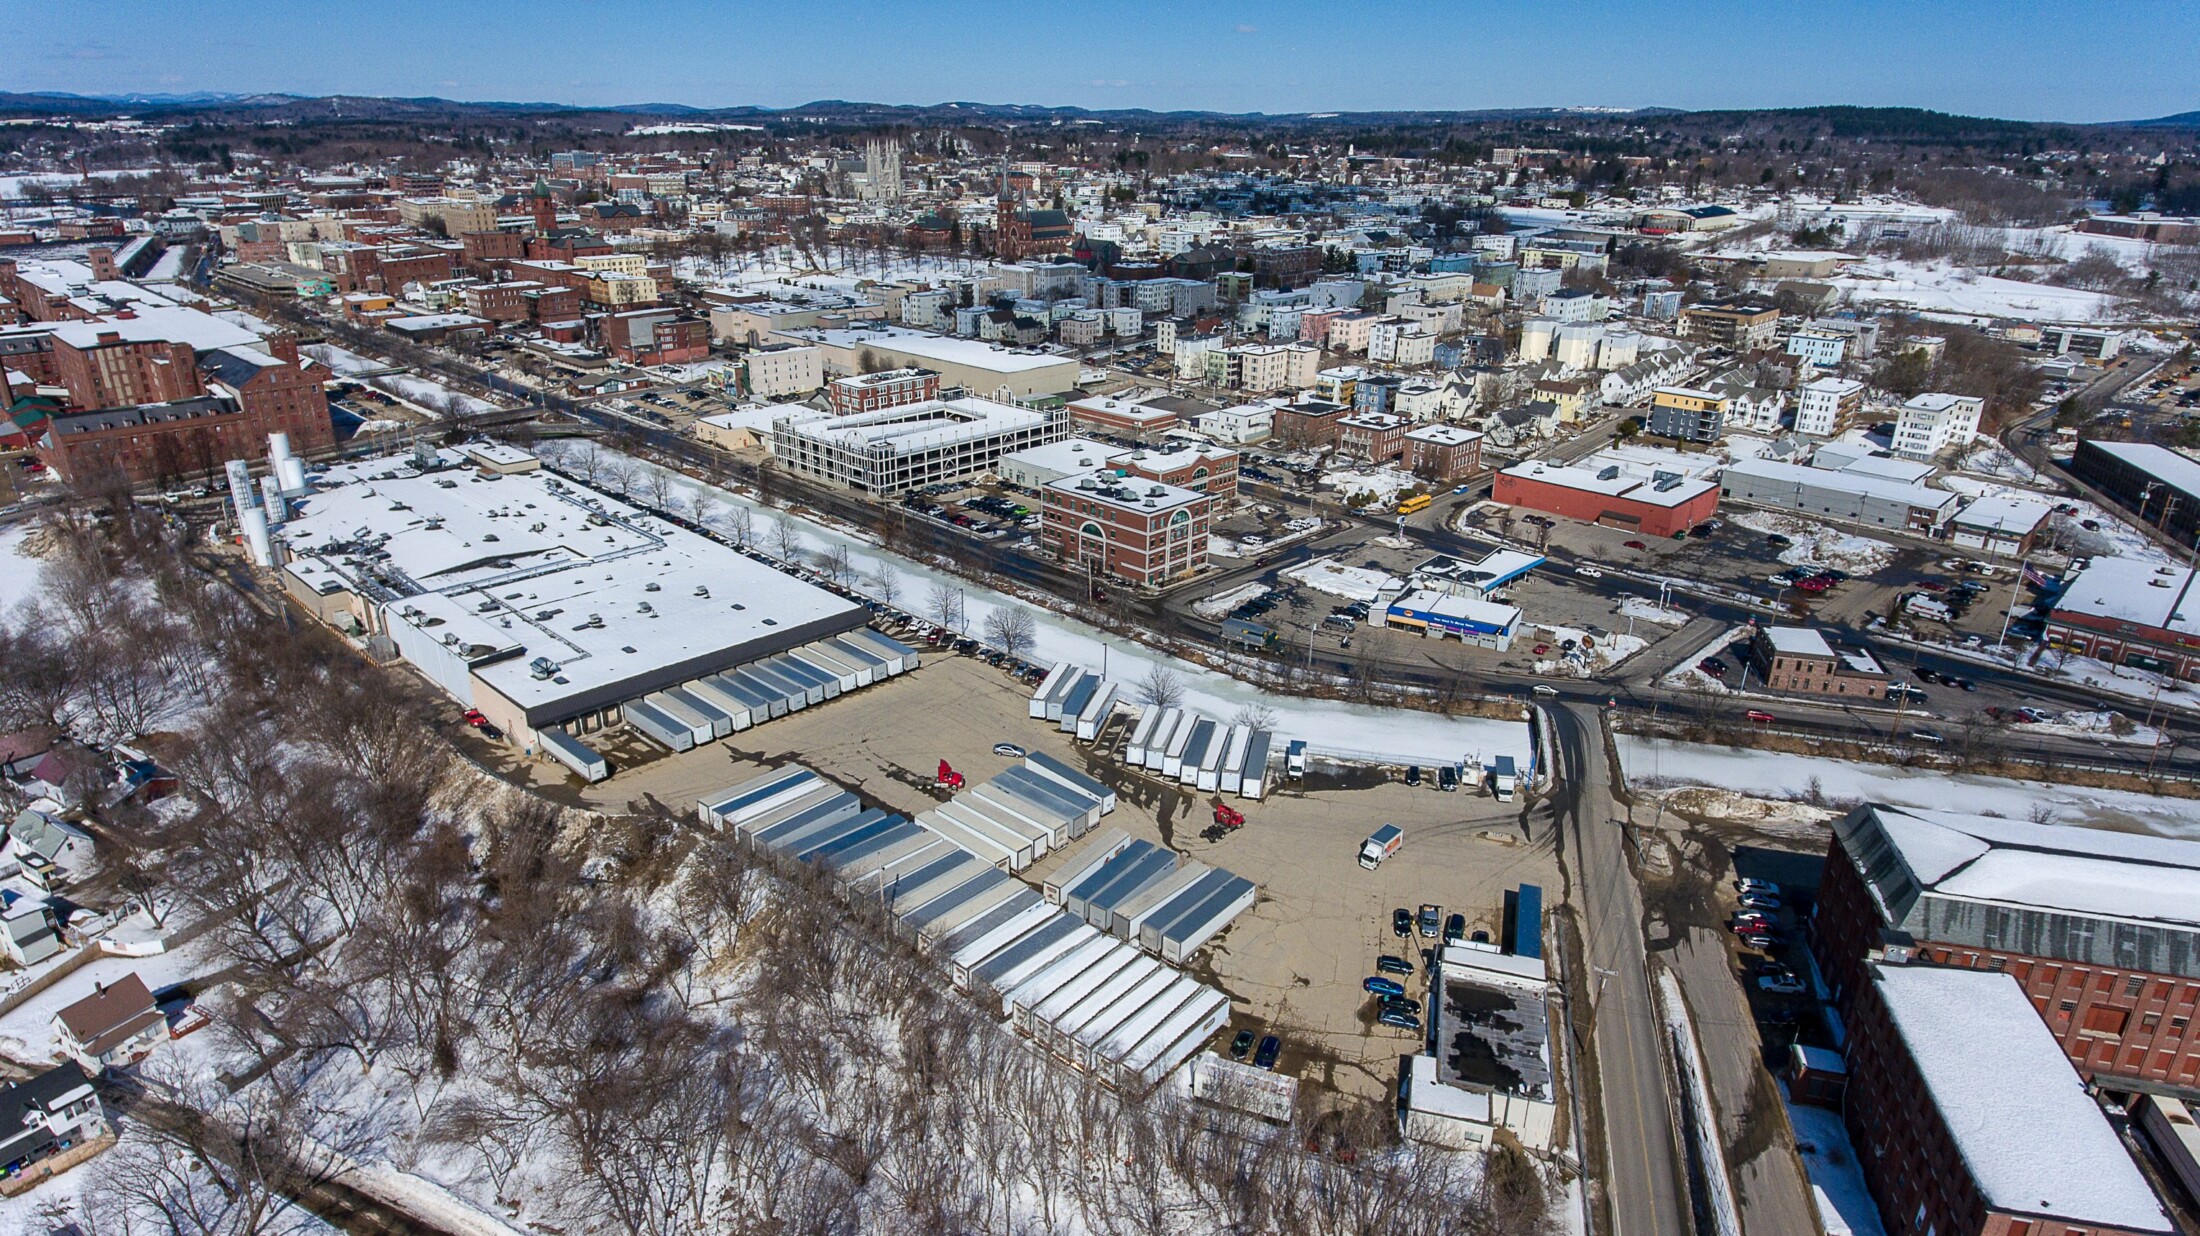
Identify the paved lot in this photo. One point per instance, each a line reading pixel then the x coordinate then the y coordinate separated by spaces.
pixel 1292 965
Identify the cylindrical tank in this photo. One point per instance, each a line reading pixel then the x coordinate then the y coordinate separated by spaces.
pixel 291 471
pixel 256 538
pixel 278 447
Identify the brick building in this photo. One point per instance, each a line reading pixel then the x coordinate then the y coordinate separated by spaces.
pixel 486 252
pixel 1308 423
pixel 656 337
pixel 1659 504
pixel 1202 469
pixel 1800 659
pixel 499 302
pixel 1443 453
pixel 1968 1122
pixel 890 388
pixel 113 371
pixel 2129 612
pixel 1143 532
pixel 239 397
pixel 1377 437
pixel 2100 930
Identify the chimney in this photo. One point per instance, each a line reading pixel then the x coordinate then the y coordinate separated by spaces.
pixel 102 259
pixel 283 345
pixel 110 336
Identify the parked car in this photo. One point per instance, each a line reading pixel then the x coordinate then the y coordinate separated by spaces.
pixel 1241 1044
pixel 1636 545
pixel 1544 688
pixel 1388 964
pixel 1455 929
pixel 1401 1004
pixel 475 718
pixel 1776 541
pixel 1009 749
pixel 1413 774
pixel 1401 923
pixel 1430 917
pixel 1376 984
pixel 1781 984
pixel 1764 941
pixel 1270 1048
pixel 1399 1020
pixel 1760 901
pixel 1749 885
pixel 1542 649
pixel 491 732
pixel 1447 779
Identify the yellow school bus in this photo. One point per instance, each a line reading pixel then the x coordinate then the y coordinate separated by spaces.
pixel 1415 503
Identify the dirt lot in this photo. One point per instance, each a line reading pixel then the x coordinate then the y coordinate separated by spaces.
pixel 1292 965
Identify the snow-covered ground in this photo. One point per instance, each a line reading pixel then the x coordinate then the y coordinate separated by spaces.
pixel 1646 610
pixel 1609 651
pixel 1947 288
pixel 1992 459
pixel 18 570
pixel 1657 763
pixel 1338 580
pixel 1347 730
pixel 1836 1180
pixel 1818 544
pixel 343 361
pixel 1223 602
pixel 168 266
pixel 1381 485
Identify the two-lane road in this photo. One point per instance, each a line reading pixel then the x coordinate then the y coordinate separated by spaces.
pixel 1642 1186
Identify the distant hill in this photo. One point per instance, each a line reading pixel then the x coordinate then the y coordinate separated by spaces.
pixel 2182 120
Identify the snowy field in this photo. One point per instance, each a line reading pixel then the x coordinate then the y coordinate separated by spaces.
pixel 1644 609
pixel 1223 602
pixel 18 570
pixel 1387 735
pixel 1946 288
pixel 1658 763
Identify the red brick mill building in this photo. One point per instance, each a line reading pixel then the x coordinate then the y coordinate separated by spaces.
pixel 2096 933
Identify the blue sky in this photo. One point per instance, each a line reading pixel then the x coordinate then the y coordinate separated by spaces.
pixel 2082 60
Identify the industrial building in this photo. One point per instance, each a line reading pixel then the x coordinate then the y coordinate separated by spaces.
pixel 2158 485
pixel 2127 611
pixel 1098 996
pixel 1846 496
pixel 2100 929
pixel 1489 1066
pixel 896 449
pixel 1966 1119
pixel 989 369
pixel 548 605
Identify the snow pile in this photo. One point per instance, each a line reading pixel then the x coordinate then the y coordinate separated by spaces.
pixel 19 571
pixel 1820 545
pixel 1224 547
pixel 1590 655
pixel 1338 580
pixel 1376 485
pixel 1995 460
pixel 1222 603
pixel 1646 610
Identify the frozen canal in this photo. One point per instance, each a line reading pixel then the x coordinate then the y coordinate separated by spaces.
pixel 1388 735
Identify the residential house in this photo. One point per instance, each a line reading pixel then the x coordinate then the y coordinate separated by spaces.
pixel 117 1024
pixel 42 1116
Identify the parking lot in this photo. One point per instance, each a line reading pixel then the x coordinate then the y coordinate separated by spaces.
pixel 1292 965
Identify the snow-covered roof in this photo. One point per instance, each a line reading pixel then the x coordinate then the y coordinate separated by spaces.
pixel 150 323
pixel 2029 1135
pixel 912 428
pixel 2083 871
pixel 1797 641
pixel 1882 489
pixel 1442 435
pixel 2009 513
pixel 947 349
pixel 2134 591
pixel 1612 481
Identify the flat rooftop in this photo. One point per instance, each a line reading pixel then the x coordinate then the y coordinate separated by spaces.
pixel 2028 1133
pixel 532 567
pixel 1613 481
pixel 911 428
pixel 947 349
pixel 1492 1034
pixel 2134 591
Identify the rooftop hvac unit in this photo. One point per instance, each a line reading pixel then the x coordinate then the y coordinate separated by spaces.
pixel 702 590
pixel 1664 483
pixel 1609 472
pixel 434 523
pixel 646 607
pixel 486 607
pixel 652 587
pixel 1156 491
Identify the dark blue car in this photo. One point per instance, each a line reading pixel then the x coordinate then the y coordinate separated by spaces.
pixel 1381 986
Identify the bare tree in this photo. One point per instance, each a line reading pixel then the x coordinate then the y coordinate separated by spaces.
pixel 704 510
pixel 1162 687
pixel 658 484
pixel 741 526
pixel 1012 629
pixel 834 562
pixel 944 606
pixel 1256 715
pixel 886 583
pixel 620 474
pixel 786 542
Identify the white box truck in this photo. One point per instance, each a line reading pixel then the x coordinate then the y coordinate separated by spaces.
pixel 1381 844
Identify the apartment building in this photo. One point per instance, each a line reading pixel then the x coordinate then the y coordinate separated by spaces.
pixel 1738 328
pixel 1442 453
pixel 1687 414
pixel 1935 422
pixel 781 370
pixel 1825 407
pixel 1377 437
pixel 889 388
pixel 1801 659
